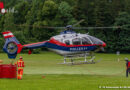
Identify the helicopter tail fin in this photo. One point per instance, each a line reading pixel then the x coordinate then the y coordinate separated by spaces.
pixel 12 46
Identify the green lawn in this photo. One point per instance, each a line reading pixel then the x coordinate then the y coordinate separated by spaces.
pixel 108 72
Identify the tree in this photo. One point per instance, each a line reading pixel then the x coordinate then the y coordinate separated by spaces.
pixel 9 22
pixel 122 37
pixel 30 19
pixel 127 6
pixel 45 17
pixel 65 13
pixel 22 9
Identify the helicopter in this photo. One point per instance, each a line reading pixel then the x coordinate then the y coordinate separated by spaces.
pixel 67 43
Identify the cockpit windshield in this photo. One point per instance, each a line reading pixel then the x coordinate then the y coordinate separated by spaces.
pixel 85 41
pixel 95 40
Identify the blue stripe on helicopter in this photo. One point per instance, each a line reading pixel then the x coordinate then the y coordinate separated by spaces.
pixel 54 46
pixel 81 48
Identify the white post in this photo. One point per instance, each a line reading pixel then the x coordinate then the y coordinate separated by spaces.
pixel 64 59
pixel 71 61
pixel 118 53
pixel 85 58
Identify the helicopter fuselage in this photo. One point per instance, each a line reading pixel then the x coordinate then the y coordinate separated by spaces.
pixel 66 44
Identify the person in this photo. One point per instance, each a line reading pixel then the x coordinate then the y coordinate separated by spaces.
pixel 20 65
pixel 127 66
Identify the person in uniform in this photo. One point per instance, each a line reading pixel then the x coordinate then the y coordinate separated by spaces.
pixel 127 66
pixel 20 66
pixel 1 61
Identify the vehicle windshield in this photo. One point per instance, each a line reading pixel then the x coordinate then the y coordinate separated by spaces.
pixel 95 40
pixel 86 41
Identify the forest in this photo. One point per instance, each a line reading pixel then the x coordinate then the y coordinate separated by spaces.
pixel 31 15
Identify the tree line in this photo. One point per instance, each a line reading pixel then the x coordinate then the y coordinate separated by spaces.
pixel 57 13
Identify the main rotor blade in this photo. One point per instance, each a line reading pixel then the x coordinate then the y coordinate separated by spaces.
pixel 46 27
pixel 95 27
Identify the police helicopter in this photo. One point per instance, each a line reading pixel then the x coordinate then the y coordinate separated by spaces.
pixel 67 43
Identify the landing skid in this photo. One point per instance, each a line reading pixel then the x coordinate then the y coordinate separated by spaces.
pixel 89 58
pixel 77 63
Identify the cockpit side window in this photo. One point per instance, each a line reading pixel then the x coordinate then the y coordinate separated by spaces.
pixel 76 41
pixel 85 41
pixel 67 42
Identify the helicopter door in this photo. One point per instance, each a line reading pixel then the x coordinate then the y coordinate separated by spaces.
pixel 86 41
pixel 76 41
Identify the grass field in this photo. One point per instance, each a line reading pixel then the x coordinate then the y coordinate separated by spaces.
pixel 42 72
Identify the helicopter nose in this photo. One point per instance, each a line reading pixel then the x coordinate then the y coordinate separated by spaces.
pixel 104 44
pixel 100 47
